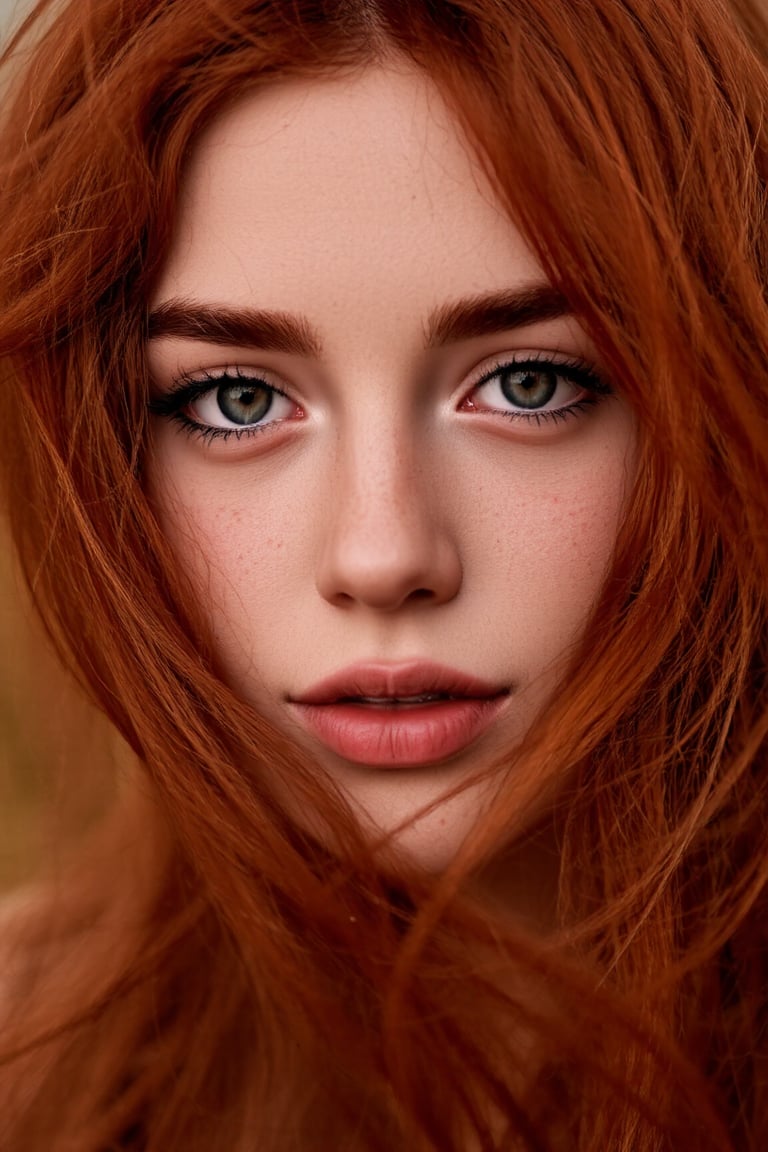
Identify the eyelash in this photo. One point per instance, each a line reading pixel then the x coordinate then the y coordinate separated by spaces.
pixel 188 389
pixel 574 371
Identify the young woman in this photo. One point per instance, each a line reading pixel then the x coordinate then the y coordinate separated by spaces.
pixel 385 442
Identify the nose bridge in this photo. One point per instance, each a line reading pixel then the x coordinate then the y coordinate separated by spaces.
pixel 385 541
pixel 380 477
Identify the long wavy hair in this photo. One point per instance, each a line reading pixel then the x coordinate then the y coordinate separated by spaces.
pixel 209 976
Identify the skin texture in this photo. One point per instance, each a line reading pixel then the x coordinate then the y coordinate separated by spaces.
pixel 392 512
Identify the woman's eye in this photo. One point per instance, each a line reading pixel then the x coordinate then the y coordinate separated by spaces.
pixel 537 390
pixel 240 404
pixel 225 404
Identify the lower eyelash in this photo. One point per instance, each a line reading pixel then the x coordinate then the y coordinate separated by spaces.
pixel 172 405
pixel 554 414
pixel 207 432
pixel 576 371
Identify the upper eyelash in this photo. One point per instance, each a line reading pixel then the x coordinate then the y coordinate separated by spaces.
pixel 577 371
pixel 188 388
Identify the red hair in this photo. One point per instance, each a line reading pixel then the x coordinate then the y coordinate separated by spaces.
pixel 190 1000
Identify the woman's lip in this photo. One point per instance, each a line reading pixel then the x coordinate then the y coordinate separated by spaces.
pixel 399 737
pixel 407 678
pixel 404 735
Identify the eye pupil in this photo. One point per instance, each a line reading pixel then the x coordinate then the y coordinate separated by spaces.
pixel 244 403
pixel 529 388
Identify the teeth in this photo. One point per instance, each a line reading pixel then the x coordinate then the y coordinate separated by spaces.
pixel 426 698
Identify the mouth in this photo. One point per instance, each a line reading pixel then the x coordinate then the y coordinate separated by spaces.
pixel 396 701
pixel 399 715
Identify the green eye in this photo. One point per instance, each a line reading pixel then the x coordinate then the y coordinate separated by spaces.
pixel 245 403
pixel 233 402
pixel 538 389
pixel 529 388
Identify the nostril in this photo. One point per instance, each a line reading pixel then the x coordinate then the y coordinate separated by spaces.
pixel 416 565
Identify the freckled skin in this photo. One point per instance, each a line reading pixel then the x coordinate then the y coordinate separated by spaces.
pixel 384 521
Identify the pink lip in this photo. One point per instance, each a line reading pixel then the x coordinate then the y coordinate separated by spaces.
pixel 399 735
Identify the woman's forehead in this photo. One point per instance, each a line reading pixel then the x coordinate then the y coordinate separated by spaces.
pixel 336 195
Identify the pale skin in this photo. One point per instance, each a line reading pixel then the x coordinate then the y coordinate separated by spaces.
pixel 395 504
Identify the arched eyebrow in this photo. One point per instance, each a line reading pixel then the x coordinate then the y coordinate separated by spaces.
pixel 451 323
pixel 242 327
pixel 494 312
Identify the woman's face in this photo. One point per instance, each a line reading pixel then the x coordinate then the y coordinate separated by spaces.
pixel 382 448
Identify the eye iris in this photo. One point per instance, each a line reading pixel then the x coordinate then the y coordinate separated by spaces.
pixel 244 403
pixel 529 389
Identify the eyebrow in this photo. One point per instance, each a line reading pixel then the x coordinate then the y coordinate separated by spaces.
pixel 451 323
pixel 270 331
pixel 494 312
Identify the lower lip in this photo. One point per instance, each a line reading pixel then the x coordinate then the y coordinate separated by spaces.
pixel 405 736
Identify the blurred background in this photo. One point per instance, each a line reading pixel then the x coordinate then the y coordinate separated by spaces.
pixel 9 9
pixel 58 757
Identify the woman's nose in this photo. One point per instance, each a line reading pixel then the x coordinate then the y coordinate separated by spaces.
pixel 386 541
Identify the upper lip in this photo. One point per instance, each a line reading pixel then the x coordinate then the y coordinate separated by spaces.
pixel 397 681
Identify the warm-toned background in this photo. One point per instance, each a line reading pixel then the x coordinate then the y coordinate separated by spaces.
pixel 9 12
pixel 8 8
pixel 24 757
pixel 56 754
